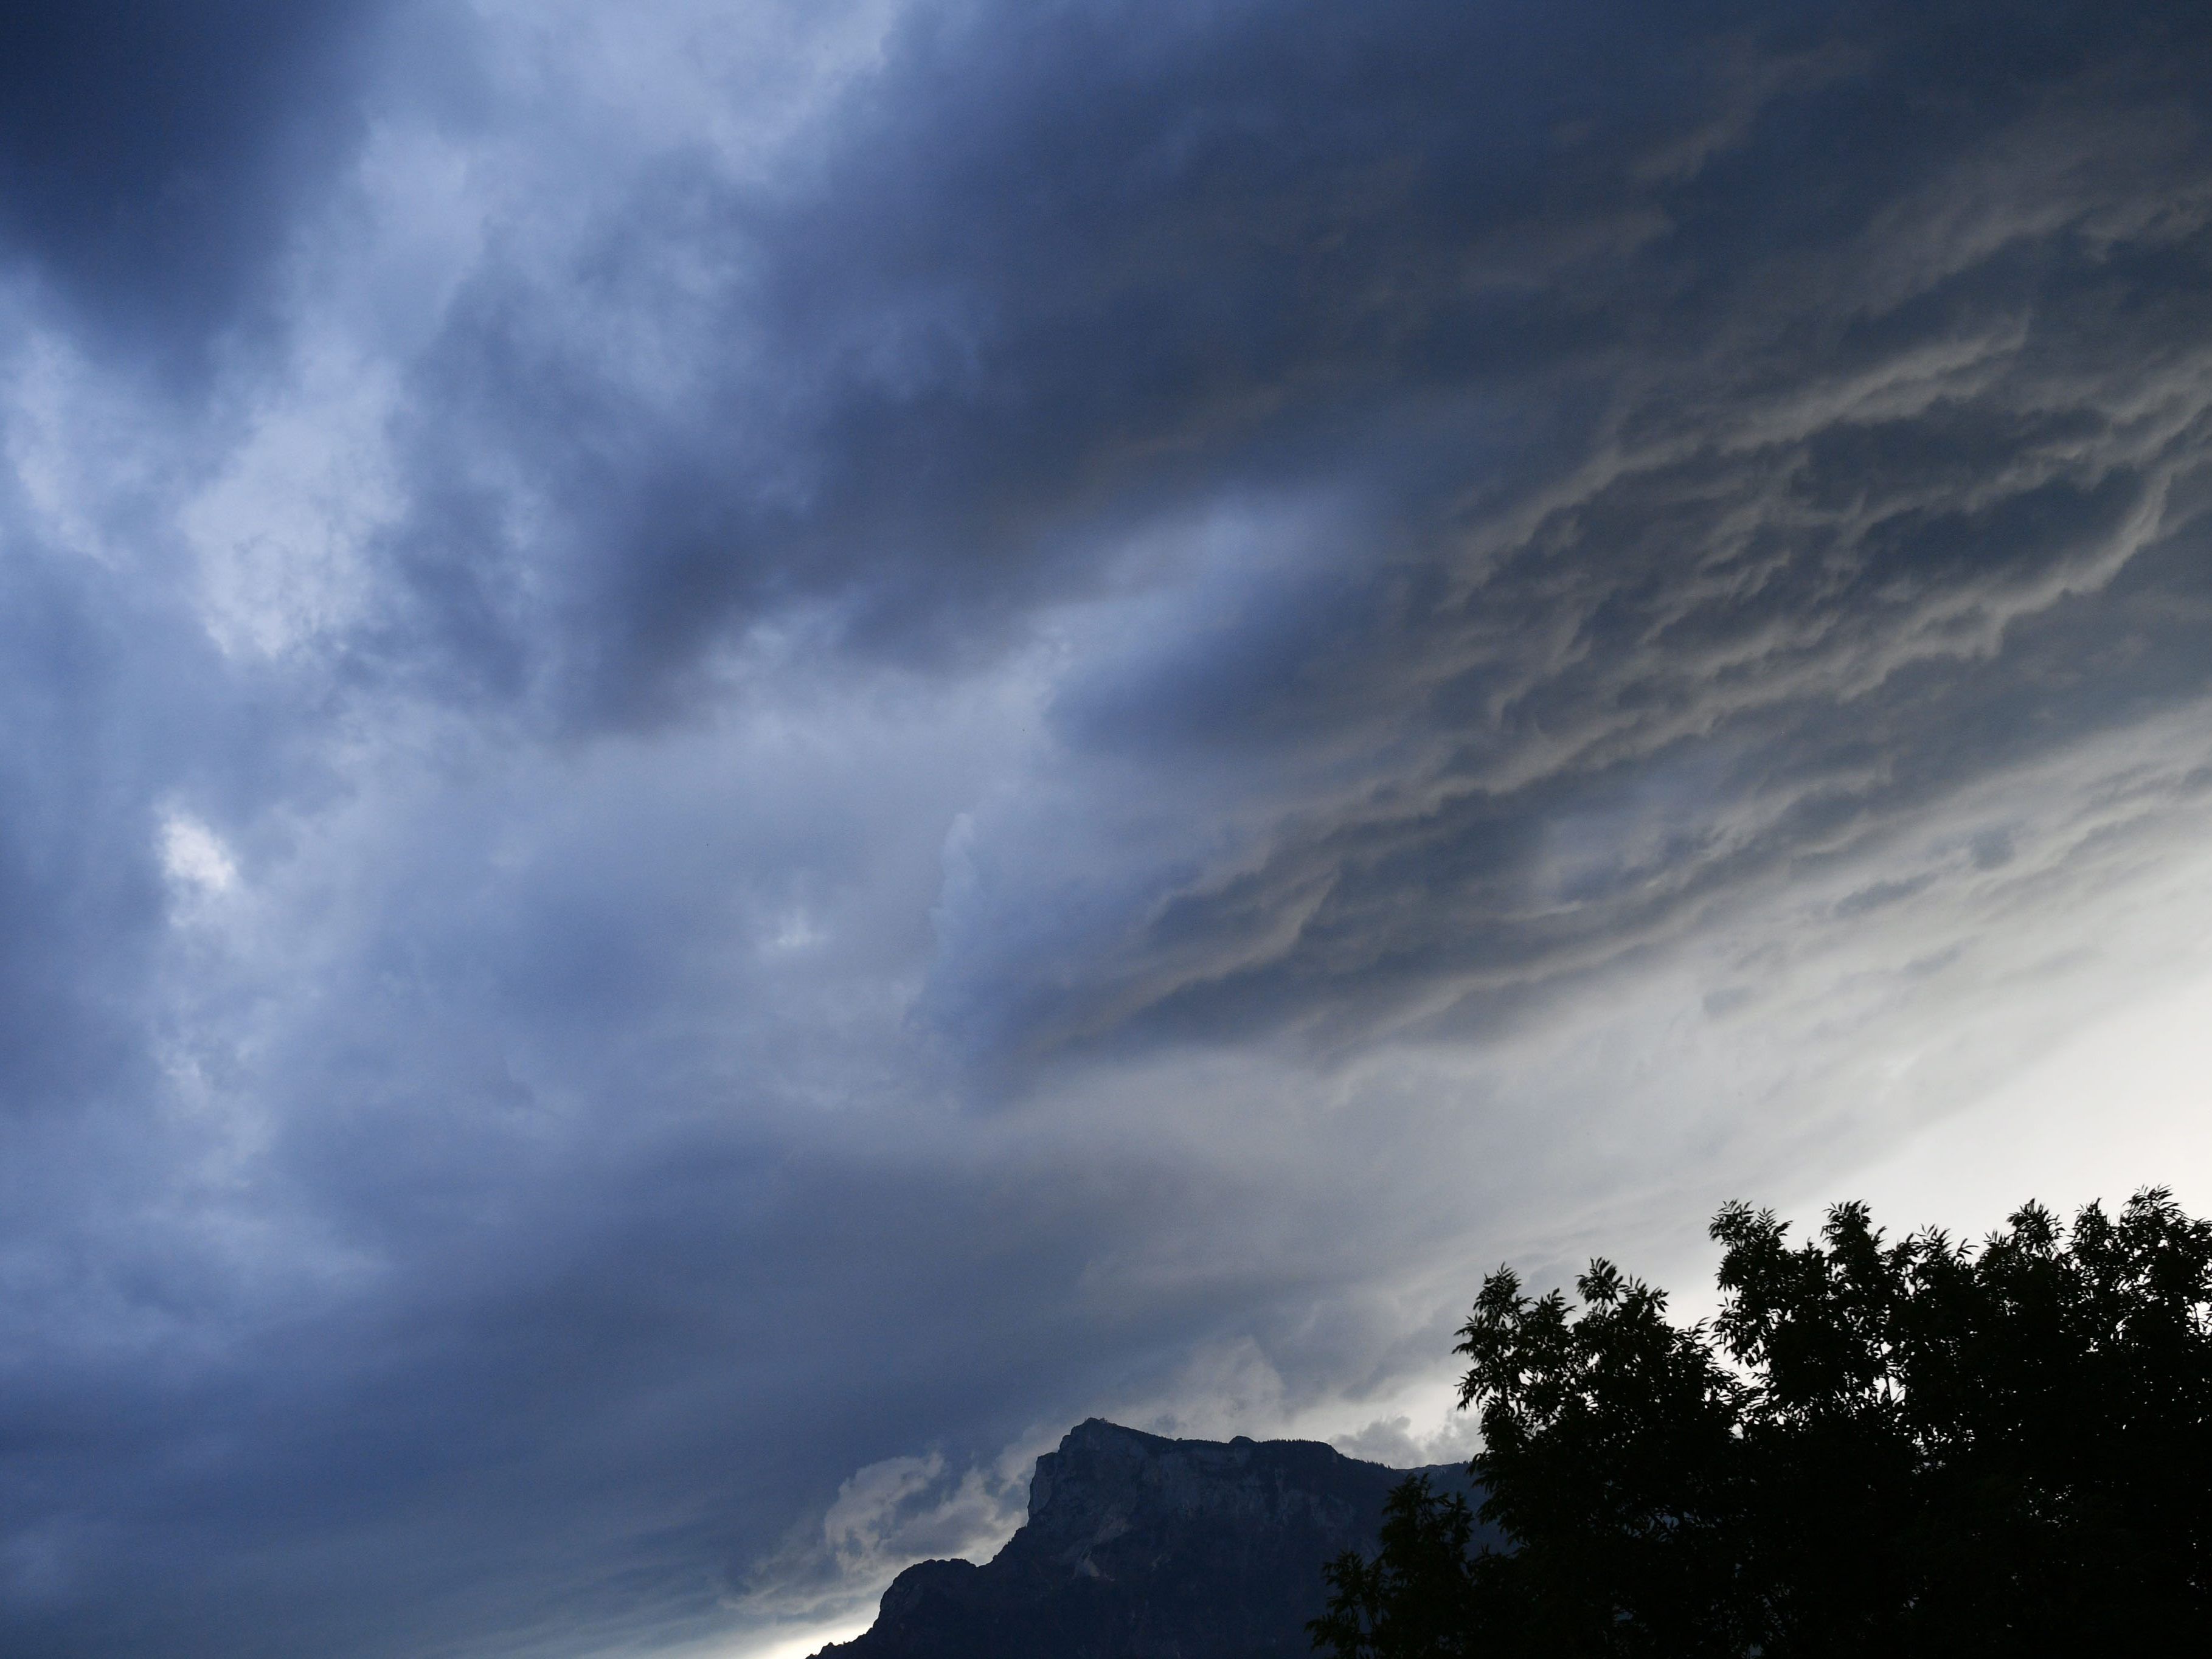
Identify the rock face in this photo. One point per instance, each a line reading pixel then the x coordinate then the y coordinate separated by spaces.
pixel 1138 1547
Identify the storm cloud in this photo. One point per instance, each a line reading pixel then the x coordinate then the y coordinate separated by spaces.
pixel 748 750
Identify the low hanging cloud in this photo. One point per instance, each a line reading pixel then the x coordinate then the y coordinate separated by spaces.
pixel 753 750
pixel 1825 569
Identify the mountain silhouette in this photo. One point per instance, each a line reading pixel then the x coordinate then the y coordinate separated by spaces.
pixel 1142 1547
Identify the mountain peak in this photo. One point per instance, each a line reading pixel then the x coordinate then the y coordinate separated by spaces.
pixel 1139 1546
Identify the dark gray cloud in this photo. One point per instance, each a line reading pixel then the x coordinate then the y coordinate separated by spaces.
pixel 1064 270
pixel 825 734
pixel 1813 513
pixel 151 152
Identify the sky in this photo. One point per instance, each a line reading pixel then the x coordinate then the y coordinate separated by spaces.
pixel 748 750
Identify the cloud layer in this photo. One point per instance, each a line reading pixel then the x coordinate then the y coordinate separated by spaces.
pixel 751 751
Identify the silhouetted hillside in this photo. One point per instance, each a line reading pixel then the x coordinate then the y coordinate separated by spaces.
pixel 1140 1547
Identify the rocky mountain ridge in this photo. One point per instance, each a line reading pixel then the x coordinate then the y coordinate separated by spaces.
pixel 1137 1546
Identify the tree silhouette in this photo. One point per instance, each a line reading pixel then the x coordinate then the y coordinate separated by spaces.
pixel 1414 1600
pixel 1875 1449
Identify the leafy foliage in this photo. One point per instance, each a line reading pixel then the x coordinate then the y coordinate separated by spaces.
pixel 1414 1600
pixel 1905 1448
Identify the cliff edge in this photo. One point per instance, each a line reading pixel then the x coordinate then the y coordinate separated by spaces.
pixel 1141 1547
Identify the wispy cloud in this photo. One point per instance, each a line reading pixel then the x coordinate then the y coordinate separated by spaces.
pixel 748 752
